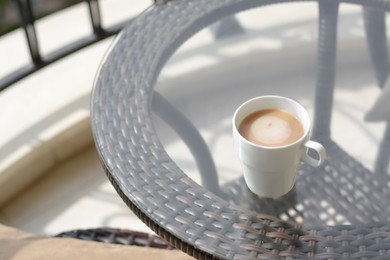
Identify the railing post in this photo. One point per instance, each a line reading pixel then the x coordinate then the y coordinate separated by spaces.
pixel 96 20
pixel 28 20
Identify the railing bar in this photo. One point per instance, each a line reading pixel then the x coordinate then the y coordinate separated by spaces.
pixel 26 70
pixel 27 20
pixel 94 12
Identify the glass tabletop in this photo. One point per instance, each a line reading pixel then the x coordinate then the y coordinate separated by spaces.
pixel 211 75
pixel 163 129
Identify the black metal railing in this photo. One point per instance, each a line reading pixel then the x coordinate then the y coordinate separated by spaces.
pixel 38 61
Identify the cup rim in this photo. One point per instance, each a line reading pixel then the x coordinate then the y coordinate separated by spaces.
pixel 303 137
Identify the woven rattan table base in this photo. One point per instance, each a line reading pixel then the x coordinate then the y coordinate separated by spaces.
pixel 117 236
pixel 186 214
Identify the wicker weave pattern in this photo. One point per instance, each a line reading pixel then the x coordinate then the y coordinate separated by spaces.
pixel 118 236
pixel 186 214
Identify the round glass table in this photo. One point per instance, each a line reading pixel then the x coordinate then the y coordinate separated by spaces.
pixel 161 118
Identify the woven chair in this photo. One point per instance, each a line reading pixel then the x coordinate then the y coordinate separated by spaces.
pixel 194 218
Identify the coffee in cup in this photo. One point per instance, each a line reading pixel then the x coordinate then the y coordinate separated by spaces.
pixel 272 136
pixel 271 127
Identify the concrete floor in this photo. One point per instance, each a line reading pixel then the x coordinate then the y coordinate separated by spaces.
pixel 74 194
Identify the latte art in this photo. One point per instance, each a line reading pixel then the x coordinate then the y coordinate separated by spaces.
pixel 271 127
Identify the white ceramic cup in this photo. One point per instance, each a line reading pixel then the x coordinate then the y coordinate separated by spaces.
pixel 271 171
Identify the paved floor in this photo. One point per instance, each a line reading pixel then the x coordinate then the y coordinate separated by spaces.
pixel 75 193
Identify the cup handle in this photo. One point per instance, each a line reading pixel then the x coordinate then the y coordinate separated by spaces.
pixel 320 151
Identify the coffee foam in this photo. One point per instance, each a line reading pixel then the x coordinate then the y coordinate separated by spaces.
pixel 270 130
pixel 271 127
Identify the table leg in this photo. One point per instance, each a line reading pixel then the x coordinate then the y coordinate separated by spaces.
pixel 327 38
pixel 190 135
